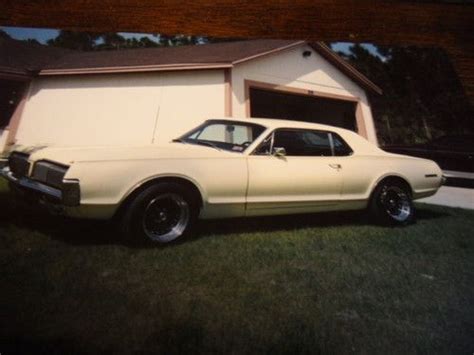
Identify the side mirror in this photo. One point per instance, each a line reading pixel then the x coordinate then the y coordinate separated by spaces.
pixel 278 152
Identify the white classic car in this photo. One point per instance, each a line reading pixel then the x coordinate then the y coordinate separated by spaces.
pixel 225 168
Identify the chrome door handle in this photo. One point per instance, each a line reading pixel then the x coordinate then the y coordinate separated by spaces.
pixel 335 166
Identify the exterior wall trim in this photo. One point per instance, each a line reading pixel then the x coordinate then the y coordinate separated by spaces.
pixel 361 128
pixel 132 69
pixel 228 92
pixel 15 76
pixel 16 117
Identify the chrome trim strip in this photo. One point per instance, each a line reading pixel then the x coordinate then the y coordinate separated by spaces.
pixel 272 141
pixel 331 142
pixel 458 174
pixel 7 174
pixel 30 184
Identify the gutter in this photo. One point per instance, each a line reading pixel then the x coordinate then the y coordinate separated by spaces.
pixel 15 74
pixel 133 69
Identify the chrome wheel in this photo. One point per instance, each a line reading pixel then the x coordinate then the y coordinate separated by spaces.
pixel 166 217
pixel 396 203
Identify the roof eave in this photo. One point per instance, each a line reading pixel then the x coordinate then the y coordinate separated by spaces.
pixel 270 52
pixel 15 74
pixel 133 69
pixel 345 67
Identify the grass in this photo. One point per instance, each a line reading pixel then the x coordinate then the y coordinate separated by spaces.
pixel 326 283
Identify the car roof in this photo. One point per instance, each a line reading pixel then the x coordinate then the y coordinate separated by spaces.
pixel 280 123
pixel 359 144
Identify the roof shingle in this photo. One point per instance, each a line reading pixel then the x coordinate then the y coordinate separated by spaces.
pixel 215 53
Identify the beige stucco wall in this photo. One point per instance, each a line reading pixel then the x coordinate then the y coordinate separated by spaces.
pixel 291 69
pixel 119 109
pixel 3 139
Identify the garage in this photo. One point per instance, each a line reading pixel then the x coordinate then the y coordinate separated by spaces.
pixel 136 96
pixel 310 108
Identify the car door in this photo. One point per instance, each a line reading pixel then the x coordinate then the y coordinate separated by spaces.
pixel 305 178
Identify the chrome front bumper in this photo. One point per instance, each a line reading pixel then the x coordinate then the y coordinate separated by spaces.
pixel 69 197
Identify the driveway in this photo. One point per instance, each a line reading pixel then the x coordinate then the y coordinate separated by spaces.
pixel 452 197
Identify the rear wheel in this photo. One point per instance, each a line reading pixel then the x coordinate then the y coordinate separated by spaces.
pixel 392 204
pixel 161 213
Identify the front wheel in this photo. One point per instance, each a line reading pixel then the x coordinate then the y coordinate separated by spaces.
pixel 391 204
pixel 161 213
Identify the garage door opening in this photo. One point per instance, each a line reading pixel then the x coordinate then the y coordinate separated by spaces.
pixel 276 104
pixel 11 93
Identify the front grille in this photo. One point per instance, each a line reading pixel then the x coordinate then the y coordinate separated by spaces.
pixel 18 164
pixel 49 173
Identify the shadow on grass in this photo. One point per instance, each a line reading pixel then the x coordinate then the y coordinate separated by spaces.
pixel 26 345
pixel 298 221
pixel 90 232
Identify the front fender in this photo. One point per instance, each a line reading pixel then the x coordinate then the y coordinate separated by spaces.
pixel 221 181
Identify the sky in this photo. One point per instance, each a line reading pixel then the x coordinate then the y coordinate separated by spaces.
pixel 44 34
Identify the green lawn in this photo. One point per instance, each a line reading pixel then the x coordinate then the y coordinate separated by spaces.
pixel 328 283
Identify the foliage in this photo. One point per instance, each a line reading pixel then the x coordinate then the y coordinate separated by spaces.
pixel 422 97
pixel 4 35
pixel 87 41
pixel 84 41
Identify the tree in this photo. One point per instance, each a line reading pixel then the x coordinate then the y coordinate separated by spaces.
pixel 84 41
pixel 179 40
pixel 422 97
pixel 4 35
pixel 147 43
pixel 87 41
pixel 110 40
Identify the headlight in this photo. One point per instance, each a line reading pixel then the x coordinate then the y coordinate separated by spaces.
pixel 18 164
pixel 49 173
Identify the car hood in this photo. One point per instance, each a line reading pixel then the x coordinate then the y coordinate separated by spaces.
pixel 70 155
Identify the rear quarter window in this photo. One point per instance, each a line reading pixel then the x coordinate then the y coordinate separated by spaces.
pixel 341 148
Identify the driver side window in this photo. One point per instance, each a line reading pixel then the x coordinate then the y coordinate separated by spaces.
pixel 308 143
pixel 303 142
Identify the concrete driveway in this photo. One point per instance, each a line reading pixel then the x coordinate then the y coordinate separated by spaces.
pixel 452 197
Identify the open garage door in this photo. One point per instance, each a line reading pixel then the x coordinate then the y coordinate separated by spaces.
pixel 278 104
pixel 11 93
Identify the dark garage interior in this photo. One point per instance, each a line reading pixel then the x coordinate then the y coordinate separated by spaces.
pixel 275 104
pixel 10 95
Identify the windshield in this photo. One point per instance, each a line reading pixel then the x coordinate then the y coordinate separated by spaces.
pixel 222 134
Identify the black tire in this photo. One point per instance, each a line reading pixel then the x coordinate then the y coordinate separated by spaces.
pixel 161 213
pixel 391 204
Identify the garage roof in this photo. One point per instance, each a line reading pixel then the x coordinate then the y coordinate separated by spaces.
pixel 30 58
pixel 220 54
pixel 23 58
